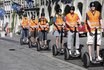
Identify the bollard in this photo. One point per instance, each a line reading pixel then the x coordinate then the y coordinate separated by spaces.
pixel 2 34
pixel 11 34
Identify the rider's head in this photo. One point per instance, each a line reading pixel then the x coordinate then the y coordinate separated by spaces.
pixel 42 15
pixel 60 12
pixel 92 6
pixel 24 15
pixel 72 9
pixel 33 17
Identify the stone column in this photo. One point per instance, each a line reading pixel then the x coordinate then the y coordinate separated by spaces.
pixel 103 10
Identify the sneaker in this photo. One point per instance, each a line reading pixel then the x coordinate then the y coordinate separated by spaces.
pixel 27 40
pixel 90 58
pixel 70 52
pixel 99 58
pixel 77 52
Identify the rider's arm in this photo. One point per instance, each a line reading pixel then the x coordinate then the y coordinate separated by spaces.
pixel 78 21
pixel 101 22
pixel 39 23
pixel 67 23
pixel 88 22
pixel 22 23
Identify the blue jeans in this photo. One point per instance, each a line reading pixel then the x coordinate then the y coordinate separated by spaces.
pixel 25 33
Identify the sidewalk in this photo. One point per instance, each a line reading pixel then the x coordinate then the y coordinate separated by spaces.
pixel 23 58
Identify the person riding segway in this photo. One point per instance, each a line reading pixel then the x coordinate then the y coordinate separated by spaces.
pixel 43 30
pixel 33 31
pixel 72 23
pixel 59 24
pixel 24 30
pixel 94 26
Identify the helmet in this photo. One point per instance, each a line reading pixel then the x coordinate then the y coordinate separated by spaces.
pixel 33 17
pixel 42 14
pixel 60 10
pixel 25 15
pixel 92 4
pixel 72 8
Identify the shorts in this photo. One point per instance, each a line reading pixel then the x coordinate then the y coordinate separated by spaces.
pixel 42 35
pixel 56 33
pixel 90 38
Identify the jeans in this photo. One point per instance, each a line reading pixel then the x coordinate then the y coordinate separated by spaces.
pixel 25 33
pixel 41 35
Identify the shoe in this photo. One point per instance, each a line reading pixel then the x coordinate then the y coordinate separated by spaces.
pixel 27 40
pixel 77 52
pixel 99 58
pixel 62 50
pixel 90 58
pixel 70 52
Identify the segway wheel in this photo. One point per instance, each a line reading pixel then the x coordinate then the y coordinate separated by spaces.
pixel 21 41
pixel 80 50
pixel 86 60
pixel 54 50
pixel 38 47
pixel 102 63
pixel 66 53
pixel 103 59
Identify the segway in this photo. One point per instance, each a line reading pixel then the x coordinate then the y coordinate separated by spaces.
pixel 25 40
pixel 86 58
pixel 43 46
pixel 67 55
pixel 33 40
pixel 56 50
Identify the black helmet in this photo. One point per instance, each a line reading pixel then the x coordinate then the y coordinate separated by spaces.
pixel 57 7
pixel 60 11
pixel 92 4
pixel 25 15
pixel 33 17
pixel 42 14
pixel 72 8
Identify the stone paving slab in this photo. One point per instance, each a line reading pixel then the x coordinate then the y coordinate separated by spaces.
pixel 23 58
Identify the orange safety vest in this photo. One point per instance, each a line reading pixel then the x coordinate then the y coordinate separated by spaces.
pixel 33 23
pixel 43 22
pixel 94 19
pixel 59 22
pixel 24 22
pixel 72 21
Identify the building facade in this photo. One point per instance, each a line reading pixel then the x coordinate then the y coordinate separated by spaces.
pixel 33 8
pixel 85 8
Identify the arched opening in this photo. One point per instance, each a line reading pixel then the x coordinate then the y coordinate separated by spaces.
pixel 80 7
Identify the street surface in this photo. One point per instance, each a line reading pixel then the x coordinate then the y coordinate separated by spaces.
pixel 13 56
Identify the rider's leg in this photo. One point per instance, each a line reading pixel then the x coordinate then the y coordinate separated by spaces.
pixel 98 46
pixel 90 51
pixel 22 33
pixel 69 41
pixel 57 35
pixel 45 37
pixel 77 43
pixel 57 41
pixel 40 37
pixel 90 41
